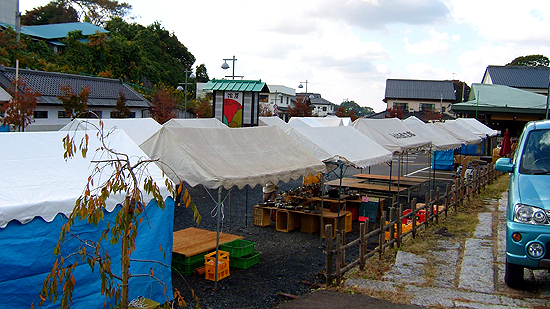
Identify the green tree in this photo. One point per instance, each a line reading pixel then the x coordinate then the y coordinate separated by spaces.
pixel 531 61
pixel 51 13
pixel 360 111
pixel 202 75
pixel 121 110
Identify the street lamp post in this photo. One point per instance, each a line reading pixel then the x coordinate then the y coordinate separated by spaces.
pixel 302 86
pixel 225 66
pixel 185 90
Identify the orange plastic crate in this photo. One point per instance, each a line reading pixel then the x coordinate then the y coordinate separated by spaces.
pixel 210 262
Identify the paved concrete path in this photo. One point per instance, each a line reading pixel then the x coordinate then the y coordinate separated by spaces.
pixel 464 274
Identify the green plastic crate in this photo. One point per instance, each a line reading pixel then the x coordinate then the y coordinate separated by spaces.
pixel 246 261
pixel 186 265
pixel 238 248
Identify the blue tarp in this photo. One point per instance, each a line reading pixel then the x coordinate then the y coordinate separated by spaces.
pixel 4 128
pixel 27 258
pixel 443 160
pixel 470 150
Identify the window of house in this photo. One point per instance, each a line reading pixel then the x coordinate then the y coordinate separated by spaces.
pixel 40 114
pixel 402 106
pixel 263 98
pixel 324 108
pixel 427 107
pixel 130 115
pixel 62 114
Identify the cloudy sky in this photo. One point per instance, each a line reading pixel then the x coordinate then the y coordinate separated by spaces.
pixel 346 49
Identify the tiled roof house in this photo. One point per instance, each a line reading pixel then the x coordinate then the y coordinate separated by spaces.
pixel 533 79
pixel 419 95
pixel 50 115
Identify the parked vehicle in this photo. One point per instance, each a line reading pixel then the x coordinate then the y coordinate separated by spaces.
pixel 528 211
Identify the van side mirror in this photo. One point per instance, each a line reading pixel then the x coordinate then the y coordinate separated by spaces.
pixel 504 165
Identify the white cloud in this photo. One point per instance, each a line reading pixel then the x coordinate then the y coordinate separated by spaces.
pixel 437 43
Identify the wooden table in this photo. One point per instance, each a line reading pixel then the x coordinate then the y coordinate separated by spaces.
pixel 402 179
pixel 359 184
pixel 193 241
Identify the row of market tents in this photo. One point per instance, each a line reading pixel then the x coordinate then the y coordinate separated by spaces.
pixel 40 187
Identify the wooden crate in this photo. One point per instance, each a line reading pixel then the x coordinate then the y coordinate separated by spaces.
pixel 262 217
pixel 309 223
pixel 285 221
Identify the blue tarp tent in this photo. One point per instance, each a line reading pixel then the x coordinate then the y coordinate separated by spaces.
pixel 443 160
pixel 39 190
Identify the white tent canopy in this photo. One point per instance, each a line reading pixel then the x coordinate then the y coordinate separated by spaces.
pixel 459 132
pixel 304 122
pixel 274 121
pixel 441 139
pixel 476 127
pixel 332 144
pixel 37 182
pixel 235 157
pixel 139 129
pixel 329 121
pixel 195 123
pixel 391 133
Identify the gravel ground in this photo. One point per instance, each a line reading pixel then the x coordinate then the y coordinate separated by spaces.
pixel 290 262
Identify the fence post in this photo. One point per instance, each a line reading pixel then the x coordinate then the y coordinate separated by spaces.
pixel 447 199
pixel 392 222
pixel 437 203
pixel 329 274
pixel 362 245
pixel 426 209
pixel 382 235
pixel 413 217
pixel 339 258
pixel 399 224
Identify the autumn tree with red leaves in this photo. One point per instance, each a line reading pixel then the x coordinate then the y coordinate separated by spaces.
pixel 74 104
pixel 341 112
pixel 301 108
pixel 264 110
pixel 201 107
pixel 395 112
pixel 163 106
pixel 19 110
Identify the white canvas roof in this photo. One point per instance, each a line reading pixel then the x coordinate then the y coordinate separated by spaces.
pixel 37 182
pixel 329 121
pixel 304 122
pixel 391 133
pixel 195 123
pixel 274 121
pixel 459 132
pixel 138 129
pixel 477 127
pixel 331 144
pixel 233 157
pixel 441 139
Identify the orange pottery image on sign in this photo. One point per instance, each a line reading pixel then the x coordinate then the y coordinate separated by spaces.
pixel 233 109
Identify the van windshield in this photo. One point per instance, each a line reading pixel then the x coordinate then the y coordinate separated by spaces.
pixel 536 153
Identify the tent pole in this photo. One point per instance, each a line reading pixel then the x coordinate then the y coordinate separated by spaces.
pixel 339 196
pixel 391 172
pixel 229 209
pixel 246 206
pixel 433 167
pixel 218 214
pixel 322 206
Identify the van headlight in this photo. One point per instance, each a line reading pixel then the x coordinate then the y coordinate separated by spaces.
pixel 530 215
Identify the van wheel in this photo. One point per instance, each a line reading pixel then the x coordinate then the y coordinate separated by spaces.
pixel 513 276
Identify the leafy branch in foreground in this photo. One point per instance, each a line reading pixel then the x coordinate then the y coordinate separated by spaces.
pixel 113 174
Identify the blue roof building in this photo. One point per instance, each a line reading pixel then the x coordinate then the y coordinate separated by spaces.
pixel 420 95
pixel 534 79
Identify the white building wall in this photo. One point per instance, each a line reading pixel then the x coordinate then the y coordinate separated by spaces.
pixel 54 123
